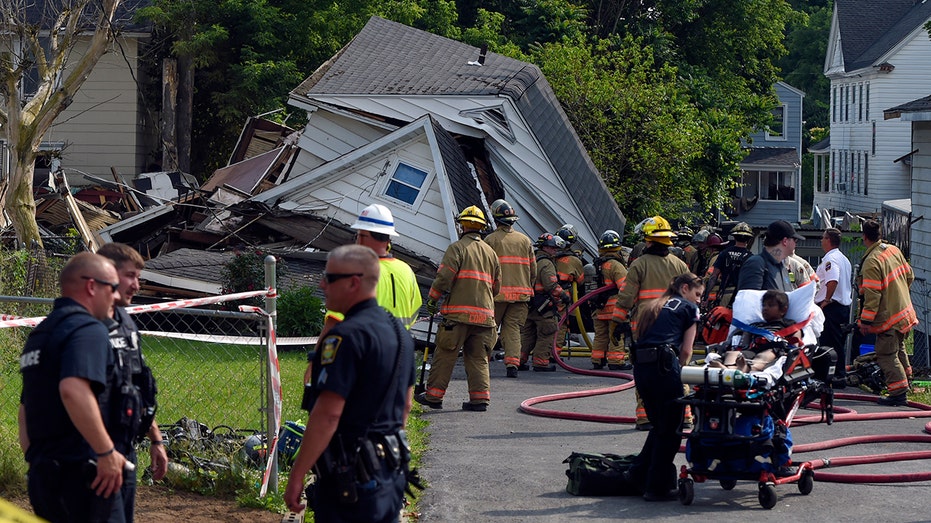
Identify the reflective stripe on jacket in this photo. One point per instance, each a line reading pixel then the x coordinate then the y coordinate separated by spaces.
pixel 518 266
pixel 884 281
pixel 471 274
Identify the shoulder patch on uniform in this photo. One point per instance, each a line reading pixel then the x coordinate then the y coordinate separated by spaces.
pixel 827 266
pixel 330 346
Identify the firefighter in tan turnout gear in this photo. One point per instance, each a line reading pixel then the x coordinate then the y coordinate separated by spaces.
pixel 570 271
pixel 609 270
pixel 469 276
pixel 518 269
pixel 647 279
pixel 886 309
pixel 538 331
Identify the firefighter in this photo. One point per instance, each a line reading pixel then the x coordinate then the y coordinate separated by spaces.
pixel 722 285
pixel 886 309
pixel 647 279
pixel 518 269
pixel 684 245
pixel 609 270
pixel 570 271
pixel 470 277
pixel 538 331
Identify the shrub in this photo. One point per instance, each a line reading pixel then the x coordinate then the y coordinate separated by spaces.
pixel 246 272
pixel 300 313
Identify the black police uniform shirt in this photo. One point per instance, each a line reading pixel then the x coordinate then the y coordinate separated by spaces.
pixel 124 344
pixel 356 360
pixel 676 316
pixel 74 347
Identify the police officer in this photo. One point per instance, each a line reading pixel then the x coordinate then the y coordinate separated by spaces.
pixel 75 470
pixel 397 286
pixel 125 343
pixel 355 443
pixel 518 268
pixel 538 332
pixel 609 270
pixel 886 311
pixel 470 277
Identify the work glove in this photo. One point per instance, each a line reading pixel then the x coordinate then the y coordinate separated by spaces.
pixel 432 306
pixel 620 330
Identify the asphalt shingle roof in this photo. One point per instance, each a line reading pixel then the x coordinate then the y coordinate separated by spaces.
pixel 921 104
pixel 388 58
pixel 870 28
pixel 771 156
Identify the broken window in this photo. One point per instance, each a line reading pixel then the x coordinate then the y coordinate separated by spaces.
pixel 406 183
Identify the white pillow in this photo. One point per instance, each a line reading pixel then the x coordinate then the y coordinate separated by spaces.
pixel 748 308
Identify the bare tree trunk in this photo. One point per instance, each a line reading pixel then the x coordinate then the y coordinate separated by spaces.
pixel 185 114
pixel 169 106
pixel 19 201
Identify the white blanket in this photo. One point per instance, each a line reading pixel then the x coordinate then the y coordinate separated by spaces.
pixel 748 308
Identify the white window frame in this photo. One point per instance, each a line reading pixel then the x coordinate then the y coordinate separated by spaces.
pixel 779 137
pixel 395 162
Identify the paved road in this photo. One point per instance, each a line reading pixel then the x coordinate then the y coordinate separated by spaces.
pixel 504 465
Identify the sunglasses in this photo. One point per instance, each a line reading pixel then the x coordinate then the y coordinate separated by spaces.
pixel 113 286
pixel 332 277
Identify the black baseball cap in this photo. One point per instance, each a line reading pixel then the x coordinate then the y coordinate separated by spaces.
pixel 780 229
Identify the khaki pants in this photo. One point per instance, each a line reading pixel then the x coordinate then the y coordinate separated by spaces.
pixel 510 317
pixel 537 338
pixel 476 342
pixel 893 360
pixel 604 348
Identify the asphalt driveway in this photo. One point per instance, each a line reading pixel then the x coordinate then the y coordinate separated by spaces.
pixel 504 465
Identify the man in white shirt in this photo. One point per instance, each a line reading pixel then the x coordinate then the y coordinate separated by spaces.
pixel 834 297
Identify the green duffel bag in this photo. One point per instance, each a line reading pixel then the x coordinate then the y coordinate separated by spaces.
pixel 593 474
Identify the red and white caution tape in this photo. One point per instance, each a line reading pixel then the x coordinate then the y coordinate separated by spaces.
pixel 14 321
pixel 274 375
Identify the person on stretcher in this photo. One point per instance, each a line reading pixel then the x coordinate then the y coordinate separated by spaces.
pixel 747 351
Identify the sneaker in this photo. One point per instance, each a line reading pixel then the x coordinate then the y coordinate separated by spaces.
pixel 422 399
pixel 512 372
pixel 644 426
pixel 548 368
pixel 523 366
pixel 899 400
pixel 474 407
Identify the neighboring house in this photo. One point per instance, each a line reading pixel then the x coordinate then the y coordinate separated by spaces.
pixel 106 125
pixel 428 126
pixel 878 56
pixel 916 114
pixel 771 179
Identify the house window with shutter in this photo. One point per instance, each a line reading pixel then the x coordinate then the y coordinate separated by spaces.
pixel 406 184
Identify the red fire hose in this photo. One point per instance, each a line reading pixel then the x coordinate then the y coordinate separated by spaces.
pixel 919 410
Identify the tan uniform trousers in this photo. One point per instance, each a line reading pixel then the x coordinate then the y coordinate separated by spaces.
pixel 893 360
pixel 510 317
pixel 537 338
pixel 476 342
pixel 603 347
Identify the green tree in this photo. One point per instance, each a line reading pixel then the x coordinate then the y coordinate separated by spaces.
pixel 803 66
pixel 633 116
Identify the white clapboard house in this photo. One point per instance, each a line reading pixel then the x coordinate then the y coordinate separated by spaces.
pixel 428 126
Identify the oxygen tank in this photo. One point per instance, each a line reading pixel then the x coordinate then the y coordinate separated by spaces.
pixel 591 277
pixel 717 377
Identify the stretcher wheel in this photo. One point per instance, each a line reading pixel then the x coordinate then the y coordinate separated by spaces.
pixel 728 484
pixel 806 482
pixel 767 495
pixel 686 491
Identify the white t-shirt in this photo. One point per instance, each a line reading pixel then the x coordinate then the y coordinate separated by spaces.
pixel 834 267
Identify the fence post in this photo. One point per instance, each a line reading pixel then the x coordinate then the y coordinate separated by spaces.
pixel 271 307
